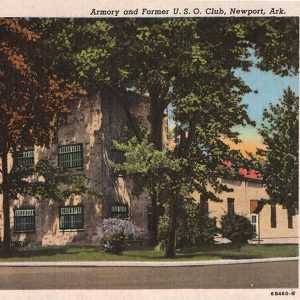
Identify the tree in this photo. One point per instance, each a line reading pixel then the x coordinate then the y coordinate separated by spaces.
pixel 33 99
pixel 206 110
pixel 168 59
pixel 43 181
pixel 280 165
pixel 197 161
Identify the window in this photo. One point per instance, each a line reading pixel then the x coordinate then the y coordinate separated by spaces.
pixel 24 158
pixel 70 156
pixel 254 222
pixel 119 210
pixel 71 218
pixel 149 215
pixel 256 206
pixel 230 206
pixel 118 157
pixel 290 219
pixel 24 220
pixel 203 205
pixel 273 215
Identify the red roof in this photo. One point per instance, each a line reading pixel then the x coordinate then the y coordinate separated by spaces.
pixel 252 174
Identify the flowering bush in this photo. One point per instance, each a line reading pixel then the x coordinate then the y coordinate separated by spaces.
pixel 115 232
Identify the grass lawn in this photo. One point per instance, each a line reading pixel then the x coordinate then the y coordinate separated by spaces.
pixel 213 252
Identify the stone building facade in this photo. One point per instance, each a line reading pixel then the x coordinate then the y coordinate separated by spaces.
pixel 84 144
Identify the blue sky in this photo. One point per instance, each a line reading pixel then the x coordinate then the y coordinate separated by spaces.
pixel 270 89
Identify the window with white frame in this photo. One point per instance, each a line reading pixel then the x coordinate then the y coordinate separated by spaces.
pixel 71 218
pixel 70 156
pixel 119 210
pixel 24 220
pixel 24 158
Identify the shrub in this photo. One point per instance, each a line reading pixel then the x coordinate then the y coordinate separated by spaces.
pixel 237 229
pixel 205 230
pixel 115 243
pixel 115 232
pixel 193 227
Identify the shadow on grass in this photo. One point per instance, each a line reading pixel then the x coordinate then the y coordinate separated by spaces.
pixel 220 251
pixel 244 251
pixel 32 252
pixel 147 253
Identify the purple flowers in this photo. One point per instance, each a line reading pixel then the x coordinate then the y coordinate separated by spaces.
pixel 115 232
pixel 113 226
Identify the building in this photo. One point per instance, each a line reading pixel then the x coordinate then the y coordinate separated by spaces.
pixel 272 223
pixel 84 144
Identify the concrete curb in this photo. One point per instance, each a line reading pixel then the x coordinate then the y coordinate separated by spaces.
pixel 145 264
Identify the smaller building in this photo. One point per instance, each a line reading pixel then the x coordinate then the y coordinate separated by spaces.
pixel 272 223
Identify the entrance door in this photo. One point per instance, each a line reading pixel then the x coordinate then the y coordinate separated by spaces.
pixel 254 222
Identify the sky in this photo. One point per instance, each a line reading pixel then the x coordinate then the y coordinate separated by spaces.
pixel 270 89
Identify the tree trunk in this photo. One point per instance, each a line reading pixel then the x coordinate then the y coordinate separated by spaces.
pixel 156 121
pixel 154 220
pixel 171 242
pixel 5 204
pixel 157 107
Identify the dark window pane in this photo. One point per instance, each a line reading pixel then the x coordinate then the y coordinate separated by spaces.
pixel 273 215
pixel 118 157
pixel 203 205
pixel 149 216
pixel 230 206
pixel 290 220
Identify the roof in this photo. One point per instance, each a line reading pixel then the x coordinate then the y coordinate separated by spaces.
pixel 252 174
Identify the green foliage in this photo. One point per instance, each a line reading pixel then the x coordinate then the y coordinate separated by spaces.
pixel 280 167
pixel 144 164
pixel 190 63
pixel 193 227
pixel 152 55
pixel 237 229
pixel 44 181
pixel 34 99
pixel 163 227
pixel 115 243
pixel 275 41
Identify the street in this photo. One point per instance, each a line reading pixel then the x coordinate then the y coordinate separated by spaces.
pixel 282 274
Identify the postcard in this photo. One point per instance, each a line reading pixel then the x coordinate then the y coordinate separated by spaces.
pixel 149 150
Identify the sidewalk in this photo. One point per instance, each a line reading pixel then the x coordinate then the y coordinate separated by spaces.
pixel 145 264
